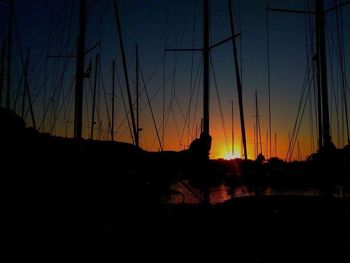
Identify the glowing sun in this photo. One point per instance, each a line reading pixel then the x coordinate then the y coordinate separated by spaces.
pixel 230 156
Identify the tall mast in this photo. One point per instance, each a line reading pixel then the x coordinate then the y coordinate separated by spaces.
pixel 206 67
pixel 232 130
pixel 257 106
pixel 322 65
pixel 25 82
pixel 137 141
pixel 9 52
pixel 275 144
pixel 238 79
pixel 94 99
pixel 113 94
pixel 268 148
pixel 256 125
pixel 125 70
pixel 79 83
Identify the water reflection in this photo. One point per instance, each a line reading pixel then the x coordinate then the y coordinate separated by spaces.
pixel 222 193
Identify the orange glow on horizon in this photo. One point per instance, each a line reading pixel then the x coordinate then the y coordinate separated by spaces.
pixel 224 152
pixel 231 156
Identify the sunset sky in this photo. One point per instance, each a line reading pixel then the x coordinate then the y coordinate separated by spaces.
pixel 50 28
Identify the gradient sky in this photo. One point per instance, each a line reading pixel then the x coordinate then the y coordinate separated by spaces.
pixel 50 28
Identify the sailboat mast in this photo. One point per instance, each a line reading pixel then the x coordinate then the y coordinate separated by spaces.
pixel 256 124
pixel 113 94
pixel 232 130
pixel 238 79
pixel 79 83
pixel 137 141
pixel 94 99
pixel 25 82
pixel 9 52
pixel 275 144
pixel 125 69
pixel 258 135
pixel 322 65
pixel 206 67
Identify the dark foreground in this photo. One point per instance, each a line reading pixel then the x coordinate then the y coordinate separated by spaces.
pixel 99 201
pixel 254 229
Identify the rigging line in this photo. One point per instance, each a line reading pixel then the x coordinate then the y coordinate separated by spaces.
pixel 178 104
pixel 340 35
pixel 65 66
pixel 315 92
pixel 219 103
pixel 68 92
pixel 151 98
pixel 332 82
pixel 307 43
pixel 167 35
pixel 169 111
pixel 197 79
pixel 188 114
pixel 90 89
pixel 154 94
pixel 23 65
pixel 176 125
pixel 312 146
pixel 45 46
pixel 167 114
pixel 150 107
pixel 125 108
pixel 176 60
pixel 303 111
pixel 314 69
pixel 105 98
pixel 56 115
pixel 164 72
pixel 102 11
pixel 308 85
pixel 299 117
pixel 163 95
pixel 64 119
pixel 268 79
pixel 156 68
pixel 191 79
pixel 68 111
pixel 164 68
pixel 298 112
pixel 98 106
pixel 305 81
pixel 197 98
pixel 38 91
pixel 258 130
pixel 55 66
pixel 237 13
pixel 151 77
pixel 173 19
pixel 59 87
pixel 17 90
pixel 192 91
pixel 240 40
pixel 191 76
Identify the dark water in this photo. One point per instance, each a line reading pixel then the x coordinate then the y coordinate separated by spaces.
pixel 222 193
